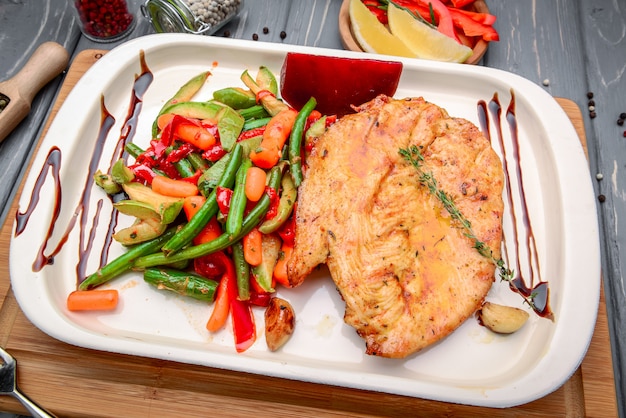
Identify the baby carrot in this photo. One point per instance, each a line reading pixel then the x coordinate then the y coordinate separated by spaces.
pixel 195 135
pixel 274 137
pixel 174 188
pixel 255 183
pixel 192 204
pixel 164 119
pixel 280 269
pixel 253 247
pixel 221 307
pixel 92 300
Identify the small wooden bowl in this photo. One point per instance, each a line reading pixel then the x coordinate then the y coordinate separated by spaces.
pixel 348 41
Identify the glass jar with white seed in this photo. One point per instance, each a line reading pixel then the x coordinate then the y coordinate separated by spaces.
pixel 190 16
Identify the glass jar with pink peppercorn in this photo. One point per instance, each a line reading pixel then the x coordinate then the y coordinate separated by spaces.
pixel 104 20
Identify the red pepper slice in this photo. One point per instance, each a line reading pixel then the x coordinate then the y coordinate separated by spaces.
pixel 143 173
pixel 471 27
pixel 287 232
pixel 251 133
pixel 461 3
pixel 212 266
pixel 182 151
pixel 484 18
pixel 214 153
pixel 259 298
pixel 193 179
pixel 244 327
pixel 223 196
pixel 274 201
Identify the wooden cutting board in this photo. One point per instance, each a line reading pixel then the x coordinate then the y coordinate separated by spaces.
pixel 73 381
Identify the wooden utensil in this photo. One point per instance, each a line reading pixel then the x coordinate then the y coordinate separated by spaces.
pixel 17 93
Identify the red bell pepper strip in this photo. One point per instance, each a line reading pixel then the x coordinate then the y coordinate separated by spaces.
pixel 484 18
pixel 471 27
pixel 212 266
pixel 143 173
pixel 287 232
pixel 461 3
pixel 193 179
pixel 223 197
pixel 244 327
pixel 214 153
pixel 261 298
pixel 251 133
pixel 444 19
pixel 274 202
pixel 181 152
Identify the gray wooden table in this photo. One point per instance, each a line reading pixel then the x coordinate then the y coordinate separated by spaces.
pixel 572 46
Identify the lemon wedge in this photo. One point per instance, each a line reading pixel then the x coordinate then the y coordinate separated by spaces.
pixel 425 41
pixel 372 35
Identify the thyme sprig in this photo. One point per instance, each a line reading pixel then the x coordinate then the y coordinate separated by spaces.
pixel 414 156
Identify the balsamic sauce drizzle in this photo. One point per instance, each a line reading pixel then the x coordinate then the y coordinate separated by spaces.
pixel 532 287
pixel 53 160
pixel 129 128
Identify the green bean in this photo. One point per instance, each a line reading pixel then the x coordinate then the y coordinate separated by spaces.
pixel 124 262
pixel 255 123
pixel 242 269
pixel 288 197
pixel 184 168
pixel 295 140
pixel 181 282
pixel 223 241
pixel 133 150
pixel 208 209
pixel 197 162
pixel 254 112
pixel 238 200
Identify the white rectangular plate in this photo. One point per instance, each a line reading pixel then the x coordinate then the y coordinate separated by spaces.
pixel 472 366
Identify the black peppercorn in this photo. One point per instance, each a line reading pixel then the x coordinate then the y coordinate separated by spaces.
pixel 592 115
pixel 590 95
pixel 283 34
pixel 602 198
pixel 620 122
pixel 266 30
pixel 591 103
pixel 255 37
pixel 622 115
pixel 227 33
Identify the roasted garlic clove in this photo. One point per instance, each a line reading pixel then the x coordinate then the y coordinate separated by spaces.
pixel 502 319
pixel 280 321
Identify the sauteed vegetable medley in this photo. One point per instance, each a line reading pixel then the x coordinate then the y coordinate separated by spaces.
pixel 212 197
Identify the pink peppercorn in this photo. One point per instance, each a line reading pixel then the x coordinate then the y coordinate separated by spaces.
pixel 104 19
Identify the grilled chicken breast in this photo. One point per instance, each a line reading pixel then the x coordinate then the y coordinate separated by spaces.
pixel 406 270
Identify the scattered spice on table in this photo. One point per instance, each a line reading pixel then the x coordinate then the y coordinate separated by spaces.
pixel 255 37
pixel 283 34
pixel 266 30
pixel 599 176
pixel 590 95
pixel 602 198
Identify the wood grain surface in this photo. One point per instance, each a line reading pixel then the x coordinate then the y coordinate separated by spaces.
pixel 77 382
